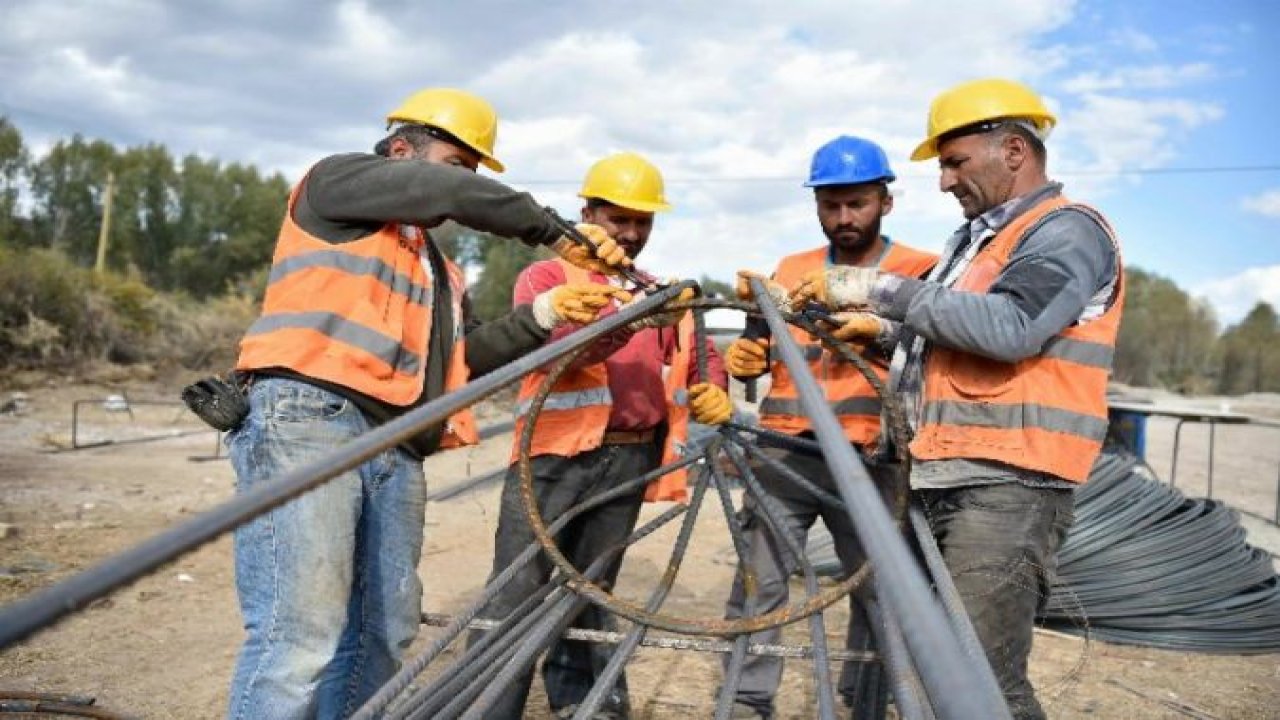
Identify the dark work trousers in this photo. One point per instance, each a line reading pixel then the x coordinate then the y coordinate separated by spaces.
pixel 570 667
pixel 1000 543
pixel 861 684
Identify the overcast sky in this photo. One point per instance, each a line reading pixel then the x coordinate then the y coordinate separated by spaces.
pixel 1167 110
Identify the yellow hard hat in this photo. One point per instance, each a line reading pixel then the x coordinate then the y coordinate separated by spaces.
pixel 628 180
pixel 457 112
pixel 978 100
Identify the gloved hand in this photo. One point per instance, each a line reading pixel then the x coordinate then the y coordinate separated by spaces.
pixel 839 287
pixel 709 404
pixel 747 358
pixel 861 328
pixel 578 304
pixel 664 319
pixel 776 291
pixel 606 256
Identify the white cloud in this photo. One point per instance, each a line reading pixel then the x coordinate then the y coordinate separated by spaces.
pixel 1266 203
pixel 1140 78
pixel 1234 296
pixel 728 100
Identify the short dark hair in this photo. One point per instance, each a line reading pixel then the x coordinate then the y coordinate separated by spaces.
pixel 595 203
pixel 418 136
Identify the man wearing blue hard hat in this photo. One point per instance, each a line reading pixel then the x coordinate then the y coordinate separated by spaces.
pixel 850 178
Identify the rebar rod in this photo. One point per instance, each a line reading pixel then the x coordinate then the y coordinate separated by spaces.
pixel 558 618
pixel 673 642
pixel 817 628
pixel 25 616
pixel 945 585
pixel 737 658
pixel 613 669
pixel 412 669
pixel 908 694
pixel 970 688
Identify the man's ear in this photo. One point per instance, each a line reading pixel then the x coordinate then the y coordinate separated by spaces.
pixel 1015 151
pixel 585 214
pixel 886 203
pixel 399 148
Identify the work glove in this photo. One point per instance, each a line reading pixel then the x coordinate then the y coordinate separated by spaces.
pixel 605 256
pixel 747 358
pixel 777 292
pixel 577 304
pixel 839 287
pixel 710 404
pixel 860 327
pixel 664 319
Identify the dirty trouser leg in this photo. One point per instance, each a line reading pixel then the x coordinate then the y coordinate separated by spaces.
pixel 294 565
pixel 769 558
pixel 571 667
pixel 385 612
pixel 1000 543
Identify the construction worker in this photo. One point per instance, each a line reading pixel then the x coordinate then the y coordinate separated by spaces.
pixel 1003 360
pixel 850 178
pixel 609 419
pixel 364 320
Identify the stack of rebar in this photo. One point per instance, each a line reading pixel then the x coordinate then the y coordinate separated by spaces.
pixel 1145 565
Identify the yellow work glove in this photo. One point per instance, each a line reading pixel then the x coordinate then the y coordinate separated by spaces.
pixel 605 256
pixel 747 358
pixel 839 288
pixel 776 291
pixel 709 404
pixel 665 319
pixel 860 328
pixel 578 304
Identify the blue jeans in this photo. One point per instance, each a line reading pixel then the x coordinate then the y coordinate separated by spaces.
pixel 328 582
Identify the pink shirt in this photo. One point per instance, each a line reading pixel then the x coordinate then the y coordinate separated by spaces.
pixel 634 360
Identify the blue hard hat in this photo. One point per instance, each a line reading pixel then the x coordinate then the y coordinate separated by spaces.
pixel 849 160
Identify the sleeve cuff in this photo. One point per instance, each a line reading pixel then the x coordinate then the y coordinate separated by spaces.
pixel 891 295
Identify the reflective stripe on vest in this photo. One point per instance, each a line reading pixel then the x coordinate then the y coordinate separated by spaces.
pixel 397 282
pixel 386 349
pixel 1080 352
pixel 848 406
pixel 569 400
pixel 1014 417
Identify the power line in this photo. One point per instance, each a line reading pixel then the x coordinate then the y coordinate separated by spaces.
pixel 1190 170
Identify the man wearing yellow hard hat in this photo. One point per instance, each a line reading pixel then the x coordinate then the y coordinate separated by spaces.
pixel 363 320
pixel 1002 363
pixel 621 410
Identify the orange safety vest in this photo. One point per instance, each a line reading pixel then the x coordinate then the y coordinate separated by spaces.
pixel 850 396
pixel 576 412
pixel 357 314
pixel 1047 413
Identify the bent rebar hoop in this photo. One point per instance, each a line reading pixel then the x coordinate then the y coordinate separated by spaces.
pixel 813 603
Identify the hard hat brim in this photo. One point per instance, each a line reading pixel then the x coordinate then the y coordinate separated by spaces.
pixel 925 150
pixel 639 205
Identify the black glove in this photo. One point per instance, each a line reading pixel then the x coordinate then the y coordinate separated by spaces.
pixel 218 402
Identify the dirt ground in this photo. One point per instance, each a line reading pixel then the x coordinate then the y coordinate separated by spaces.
pixel 164 646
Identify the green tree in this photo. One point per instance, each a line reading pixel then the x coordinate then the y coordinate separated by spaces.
pixel 13 171
pixel 1166 337
pixel 503 260
pixel 67 187
pixel 1250 353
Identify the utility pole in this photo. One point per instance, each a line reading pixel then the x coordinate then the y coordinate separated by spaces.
pixel 104 231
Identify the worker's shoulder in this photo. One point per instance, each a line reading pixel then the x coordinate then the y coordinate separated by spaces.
pixel 904 259
pixel 1073 223
pixel 818 254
